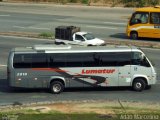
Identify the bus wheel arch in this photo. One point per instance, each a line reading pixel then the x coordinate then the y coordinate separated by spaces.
pixel 139 84
pixel 57 86
pixel 59 43
pixel 134 35
pixel 90 45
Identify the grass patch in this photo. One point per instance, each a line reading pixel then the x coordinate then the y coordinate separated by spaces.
pixel 58 116
pixel 96 110
pixel 89 116
pixel 46 35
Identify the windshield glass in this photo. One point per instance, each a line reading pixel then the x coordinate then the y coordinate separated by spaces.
pixel 139 18
pixel 139 59
pixel 89 36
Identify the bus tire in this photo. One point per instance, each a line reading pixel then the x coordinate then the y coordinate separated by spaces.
pixel 134 35
pixel 56 87
pixel 139 85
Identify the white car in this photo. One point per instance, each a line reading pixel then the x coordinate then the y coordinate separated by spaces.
pixel 82 38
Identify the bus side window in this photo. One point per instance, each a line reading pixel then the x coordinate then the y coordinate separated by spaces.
pixel 107 59
pixel 155 18
pixel 39 60
pixel 57 60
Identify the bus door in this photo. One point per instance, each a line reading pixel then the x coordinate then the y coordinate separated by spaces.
pixel 124 68
pixel 124 75
pixel 155 22
pixel 140 65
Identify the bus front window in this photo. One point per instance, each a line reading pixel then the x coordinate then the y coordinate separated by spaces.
pixel 139 18
pixel 140 59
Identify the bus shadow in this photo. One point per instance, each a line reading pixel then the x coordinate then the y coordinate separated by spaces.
pixel 8 89
pixel 4 86
pixel 98 89
pixel 122 36
pixel 119 36
pixel 76 90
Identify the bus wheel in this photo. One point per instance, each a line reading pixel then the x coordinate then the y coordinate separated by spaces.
pixel 134 35
pixel 56 87
pixel 139 85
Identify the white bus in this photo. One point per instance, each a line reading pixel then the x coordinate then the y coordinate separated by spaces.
pixel 59 67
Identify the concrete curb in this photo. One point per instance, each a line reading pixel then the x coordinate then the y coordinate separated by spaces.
pixel 140 43
pixel 20 34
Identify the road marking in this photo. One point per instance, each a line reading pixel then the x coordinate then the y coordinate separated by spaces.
pixel 112 28
pixel 17 37
pixel 5 15
pixel 156 49
pixel 37 28
pixel 115 23
pixel 3 65
pixel 19 27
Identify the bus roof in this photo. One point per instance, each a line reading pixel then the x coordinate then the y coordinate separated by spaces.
pixel 66 48
pixel 149 9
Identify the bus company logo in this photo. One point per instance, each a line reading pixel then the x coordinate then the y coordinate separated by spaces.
pixel 100 71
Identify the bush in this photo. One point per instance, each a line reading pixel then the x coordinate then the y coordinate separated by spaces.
pixel 46 35
pixel 129 4
pixel 84 1
pixel 153 2
pixel 73 1
pixel 141 3
pixel 134 3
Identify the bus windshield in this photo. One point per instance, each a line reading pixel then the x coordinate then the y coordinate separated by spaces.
pixel 139 17
pixel 139 59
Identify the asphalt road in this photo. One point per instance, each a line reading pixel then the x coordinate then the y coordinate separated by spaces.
pixel 8 96
pixel 106 23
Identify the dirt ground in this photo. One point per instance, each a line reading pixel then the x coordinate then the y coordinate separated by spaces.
pixel 99 107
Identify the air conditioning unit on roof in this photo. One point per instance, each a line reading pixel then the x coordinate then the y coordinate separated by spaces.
pixel 51 47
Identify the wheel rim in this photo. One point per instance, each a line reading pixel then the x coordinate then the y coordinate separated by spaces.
pixel 134 36
pixel 56 88
pixel 138 85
